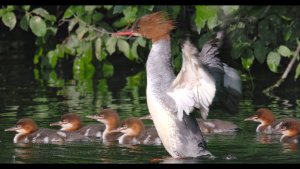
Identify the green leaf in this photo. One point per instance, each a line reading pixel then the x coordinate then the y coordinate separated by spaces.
pixel 89 71
pixel 52 57
pixel 98 49
pixel 284 51
pixel 260 51
pixel 52 30
pixel 9 19
pixel 38 54
pixel 41 12
pixel 81 31
pixel 108 69
pixel 297 71
pixel 72 42
pixel 25 22
pixel 60 51
pixel 2 12
pixel 124 47
pixel 206 13
pixel 247 59
pixel 78 69
pixel 130 14
pixel 107 7
pixel 38 26
pixel 120 23
pixel 72 23
pixel 133 51
pixel 141 41
pixel 212 22
pixel 97 17
pixel 45 14
pixel 87 55
pixel 111 45
pixel 10 8
pixel 118 9
pixel 230 9
pixel 90 8
pixel 26 7
pixel 287 32
pixel 68 13
pixel 273 60
pixel 238 50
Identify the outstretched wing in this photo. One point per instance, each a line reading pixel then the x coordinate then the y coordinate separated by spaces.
pixel 194 86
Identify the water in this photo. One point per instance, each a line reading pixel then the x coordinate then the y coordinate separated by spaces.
pixel 23 94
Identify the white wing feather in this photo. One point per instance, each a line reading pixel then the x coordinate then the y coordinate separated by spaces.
pixel 193 86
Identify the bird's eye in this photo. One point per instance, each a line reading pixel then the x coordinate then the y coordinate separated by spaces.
pixel 124 126
pixel 138 27
pixel 19 126
pixel 101 116
pixel 65 121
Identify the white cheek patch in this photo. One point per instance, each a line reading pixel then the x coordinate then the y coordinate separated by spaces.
pixel 34 139
pixel 98 134
pixel 147 140
pixel 128 131
pixel 62 134
pixel 55 140
pixel 21 131
pixel 66 126
pixel 87 132
pixel 26 140
pixel 135 141
pixel 210 124
pixel 46 140
pixel 157 141
pixel 16 138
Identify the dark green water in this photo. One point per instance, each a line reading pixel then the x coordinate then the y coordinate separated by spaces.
pixel 45 99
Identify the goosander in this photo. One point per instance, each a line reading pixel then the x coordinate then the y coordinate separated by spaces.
pixel 268 123
pixel 211 126
pixel 136 133
pixel 71 122
pixel 28 131
pixel 111 120
pixel 290 132
pixel 171 99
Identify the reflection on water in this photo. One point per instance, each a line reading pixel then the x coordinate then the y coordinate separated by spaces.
pixel 267 138
pixel 290 147
pixel 25 94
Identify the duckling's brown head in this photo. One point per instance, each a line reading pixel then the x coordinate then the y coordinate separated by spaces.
pixel 24 126
pixel 69 122
pixel 108 117
pixel 290 128
pixel 262 115
pixel 132 126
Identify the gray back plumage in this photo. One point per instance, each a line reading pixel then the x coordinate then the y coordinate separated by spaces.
pixel 228 82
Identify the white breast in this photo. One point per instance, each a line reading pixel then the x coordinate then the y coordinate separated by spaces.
pixel 162 121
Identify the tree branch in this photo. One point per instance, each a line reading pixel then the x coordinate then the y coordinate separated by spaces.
pixel 286 72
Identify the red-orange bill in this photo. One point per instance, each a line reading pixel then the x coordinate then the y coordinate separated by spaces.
pixel 124 33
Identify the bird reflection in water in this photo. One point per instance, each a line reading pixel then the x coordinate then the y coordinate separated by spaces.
pixel 22 152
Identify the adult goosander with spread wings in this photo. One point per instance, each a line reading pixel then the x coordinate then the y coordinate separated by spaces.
pixel 171 99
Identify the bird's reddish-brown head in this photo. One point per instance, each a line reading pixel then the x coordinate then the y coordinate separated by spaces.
pixel 132 126
pixel 68 122
pixel 290 128
pixel 24 126
pixel 262 115
pixel 155 26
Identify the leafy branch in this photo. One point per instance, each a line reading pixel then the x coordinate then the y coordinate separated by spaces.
pixel 286 72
